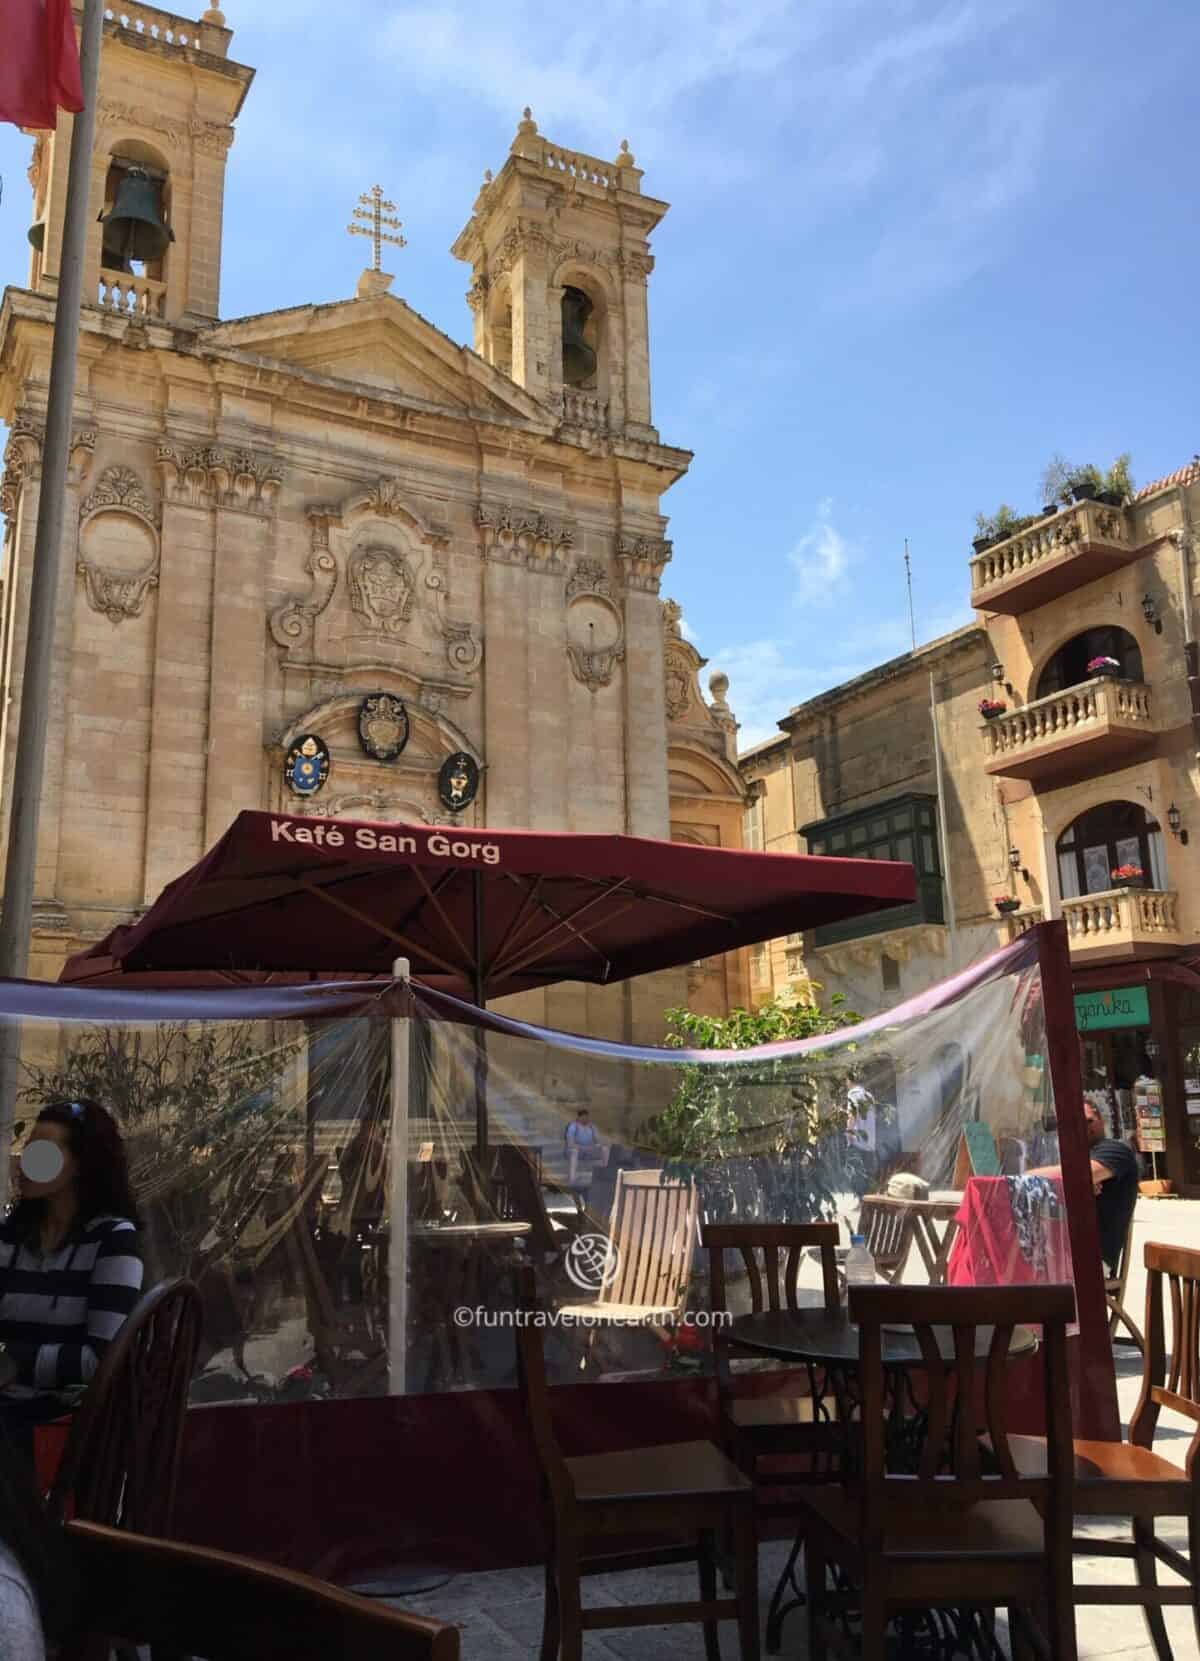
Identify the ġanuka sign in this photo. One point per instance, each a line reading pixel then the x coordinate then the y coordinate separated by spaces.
pixel 1124 1006
pixel 318 833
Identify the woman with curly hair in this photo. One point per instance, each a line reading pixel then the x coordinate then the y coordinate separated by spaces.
pixel 70 1264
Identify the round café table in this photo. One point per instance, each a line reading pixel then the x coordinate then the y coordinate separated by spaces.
pixel 826 1341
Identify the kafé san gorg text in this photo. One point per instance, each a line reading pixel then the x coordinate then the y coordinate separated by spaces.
pixel 370 839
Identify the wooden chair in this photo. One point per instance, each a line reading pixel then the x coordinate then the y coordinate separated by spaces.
pixel 956 1538
pixel 187 1600
pixel 520 1197
pixel 887 1227
pixel 121 1461
pixel 675 1499
pixel 1128 1479
pixel 771 1426
pixel 653 1232
pixel 1114 1294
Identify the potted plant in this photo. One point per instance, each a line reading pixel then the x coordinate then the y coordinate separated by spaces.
pixel 1002 524
pixel 1005 904
pixel 1127 876
pixel 990 708
pixel 1106 668
pixel 1116 486
pixel 1086 484
pixel 1055 483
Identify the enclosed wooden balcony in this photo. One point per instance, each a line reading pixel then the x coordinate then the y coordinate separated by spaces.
pixel 1059 553
pixel 1093 727
pixel 1120 923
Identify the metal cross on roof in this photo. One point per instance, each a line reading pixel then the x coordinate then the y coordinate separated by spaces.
pixel 373 213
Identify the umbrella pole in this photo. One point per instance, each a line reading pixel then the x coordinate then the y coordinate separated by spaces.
pixel 398 1197
pixel 481 1057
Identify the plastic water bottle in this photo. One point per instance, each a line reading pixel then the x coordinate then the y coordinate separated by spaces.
pixel 859 1265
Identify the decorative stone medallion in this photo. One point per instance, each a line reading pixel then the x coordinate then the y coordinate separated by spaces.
pixel 381 588
pixel 306 766
pixel 458 781
pixel 382 726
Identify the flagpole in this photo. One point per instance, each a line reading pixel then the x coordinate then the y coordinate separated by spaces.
pixel 25 786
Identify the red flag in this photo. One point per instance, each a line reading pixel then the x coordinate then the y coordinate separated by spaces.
pixel 39 62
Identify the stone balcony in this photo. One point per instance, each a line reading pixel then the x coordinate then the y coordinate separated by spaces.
pixel 1059 553
pixel 1119 923
pixel 1094 727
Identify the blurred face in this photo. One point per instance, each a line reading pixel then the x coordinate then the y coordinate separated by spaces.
pixel 1093 1123
pixel 48 1166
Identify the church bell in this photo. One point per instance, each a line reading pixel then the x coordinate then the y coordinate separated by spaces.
pixel 578 359
pixel 133 230
pixel 37 235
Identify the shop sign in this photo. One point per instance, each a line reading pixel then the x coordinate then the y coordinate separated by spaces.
pixel 1123 1006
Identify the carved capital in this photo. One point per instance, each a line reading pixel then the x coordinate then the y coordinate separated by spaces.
pixel 521 536
pixel 589 577
pixel 291 624
pixel 641 561
pixel 83 450
pixel 209 475
pixel 22 460
pixel 478 292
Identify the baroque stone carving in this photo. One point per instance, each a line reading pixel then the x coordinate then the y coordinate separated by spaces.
pixel 678 686
pixel 641 561
pixel 381 588
pixel 478 292
pixel 518 536
pixel 464 649
pixel 119 487
pixel 22 460
pixel 213 137
pixel 589 577
pixel 117 594
pixel 595 630
pixel 210 473
pixel 293 621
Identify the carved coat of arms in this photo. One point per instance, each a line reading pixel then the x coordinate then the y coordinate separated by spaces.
pixel 382 726
pixel 458 781
pixel 381 588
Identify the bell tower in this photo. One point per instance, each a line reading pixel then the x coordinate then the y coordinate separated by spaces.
pixel 557 245
pixel 169 94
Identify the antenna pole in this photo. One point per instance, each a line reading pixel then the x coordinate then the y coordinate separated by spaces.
pixel 912 616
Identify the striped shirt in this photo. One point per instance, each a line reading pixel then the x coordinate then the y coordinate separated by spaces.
pixel 60 1310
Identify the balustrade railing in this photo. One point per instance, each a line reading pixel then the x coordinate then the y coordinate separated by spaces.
pixel 1085 523
pixel 1126 913
pixel 131 296
pixel 156 24
pixel 581 409
pixel 1073 712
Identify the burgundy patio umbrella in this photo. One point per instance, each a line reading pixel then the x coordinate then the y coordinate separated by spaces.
pixel 478 912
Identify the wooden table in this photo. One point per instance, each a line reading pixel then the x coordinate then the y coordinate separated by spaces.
pixel 935 1248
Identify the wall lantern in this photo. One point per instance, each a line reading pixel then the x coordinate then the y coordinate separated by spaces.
pixel 1014 859
pixel 1150 613
pixel 1175 824
pixel 997 671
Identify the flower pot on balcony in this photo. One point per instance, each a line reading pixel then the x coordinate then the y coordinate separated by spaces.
pixel 1084 492
pixel 1107 672
pixel 1110 498
pixel 1130 882
pixel 992 714
pixel 982 543
pixel 1049 511
pixel 1007 907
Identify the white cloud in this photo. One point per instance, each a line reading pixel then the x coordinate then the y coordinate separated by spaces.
pixel 821 558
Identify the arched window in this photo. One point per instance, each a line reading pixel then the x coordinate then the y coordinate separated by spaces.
pixel 1116 833
pixel 1069 665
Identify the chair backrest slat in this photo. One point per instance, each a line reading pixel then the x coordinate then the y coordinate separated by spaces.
pixel 121 1461
pixel 947 1322
pixel 1176 1386
pixel 188 1600
pixel 773 1254
pixel 653 1228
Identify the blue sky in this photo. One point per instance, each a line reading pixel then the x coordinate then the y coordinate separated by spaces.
pixel 914 249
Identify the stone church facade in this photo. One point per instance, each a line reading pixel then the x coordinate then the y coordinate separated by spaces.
pixel 273 519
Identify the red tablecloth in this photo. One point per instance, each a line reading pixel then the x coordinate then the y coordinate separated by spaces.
pixel 986 1250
